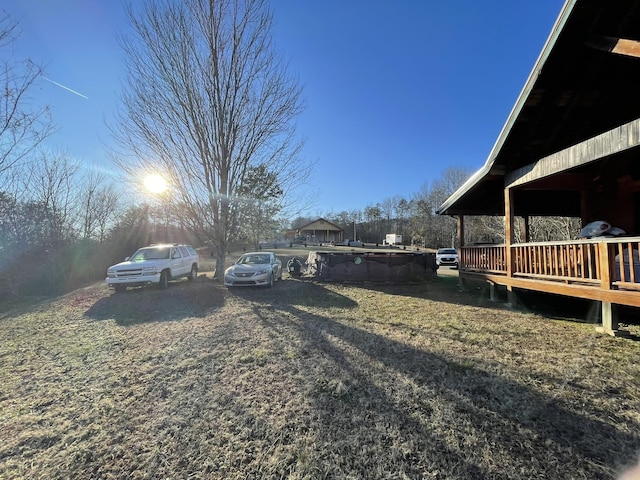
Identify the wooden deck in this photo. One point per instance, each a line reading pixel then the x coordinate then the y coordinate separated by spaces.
pixel 589 269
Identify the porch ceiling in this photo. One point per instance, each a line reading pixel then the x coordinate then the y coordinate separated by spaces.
pixel 579 88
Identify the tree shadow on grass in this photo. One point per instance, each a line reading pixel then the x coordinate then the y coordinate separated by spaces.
pixel 444 288
pixel 543 436
pixel 552 306
pixel 149 304
pixel 294 292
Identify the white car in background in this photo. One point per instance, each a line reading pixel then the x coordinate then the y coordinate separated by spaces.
pixel 254 269
pixel 447 256
pixel 154 265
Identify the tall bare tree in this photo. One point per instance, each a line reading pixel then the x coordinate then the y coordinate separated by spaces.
pixel 23 125
pixel 207 98
pixel 51 183
pixel 98 203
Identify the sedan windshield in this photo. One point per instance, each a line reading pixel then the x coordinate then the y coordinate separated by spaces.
pixel 254 259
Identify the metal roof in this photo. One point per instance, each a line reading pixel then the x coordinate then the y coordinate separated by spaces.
pixel 579 87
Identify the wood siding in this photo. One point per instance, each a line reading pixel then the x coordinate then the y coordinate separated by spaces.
pixel 614 141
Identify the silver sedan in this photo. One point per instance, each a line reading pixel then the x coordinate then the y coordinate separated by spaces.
pixel 254 269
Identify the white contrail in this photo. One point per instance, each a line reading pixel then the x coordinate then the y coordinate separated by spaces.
pixel 66 88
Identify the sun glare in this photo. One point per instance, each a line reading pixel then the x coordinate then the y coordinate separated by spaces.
pixel 155 183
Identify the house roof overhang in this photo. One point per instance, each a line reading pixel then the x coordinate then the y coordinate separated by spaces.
pixel 583 85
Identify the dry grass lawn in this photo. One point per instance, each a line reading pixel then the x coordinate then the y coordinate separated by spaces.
pixel 310 381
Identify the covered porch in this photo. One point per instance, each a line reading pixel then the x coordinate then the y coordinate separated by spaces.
pixel 604 270
pixel 569 148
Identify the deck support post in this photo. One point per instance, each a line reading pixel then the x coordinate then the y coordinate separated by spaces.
pixel 492 291
pixel 610 321
pixel 609 318
pixel 606 314
pixel 512 298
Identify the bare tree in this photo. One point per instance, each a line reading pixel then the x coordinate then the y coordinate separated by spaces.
pixel 207 98
pixel 437 231
pixel 98 204
pixel 51 183
pixel 543 229
pixel 23 126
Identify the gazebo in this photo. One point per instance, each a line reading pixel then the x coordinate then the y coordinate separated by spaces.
pixel 321 231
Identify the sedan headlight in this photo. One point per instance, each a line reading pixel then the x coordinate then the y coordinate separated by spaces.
pixel 264 270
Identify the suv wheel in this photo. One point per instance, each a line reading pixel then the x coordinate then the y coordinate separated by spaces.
pixel 194 273
pixel 164 280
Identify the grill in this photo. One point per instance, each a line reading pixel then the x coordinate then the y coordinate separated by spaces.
pixel 129 273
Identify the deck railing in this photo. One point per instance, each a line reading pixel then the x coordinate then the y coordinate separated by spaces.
pixel 483 258
pixel 566 261
pixel 607 263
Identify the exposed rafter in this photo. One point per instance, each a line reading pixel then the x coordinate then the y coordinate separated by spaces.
pixel 621 46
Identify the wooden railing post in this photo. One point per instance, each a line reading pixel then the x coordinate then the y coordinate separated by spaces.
pixel 508 229
pixel 607 273
pixel 604 265
pixel 509 237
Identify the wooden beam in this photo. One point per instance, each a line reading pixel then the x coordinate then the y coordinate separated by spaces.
pixel 627 47
pixel 608 143
pixel 620 46
pixel 561 181
pixel 508 229
pixel 461 283
pixel 620 297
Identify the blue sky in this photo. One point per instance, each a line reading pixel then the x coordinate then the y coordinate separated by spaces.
pixel 396 90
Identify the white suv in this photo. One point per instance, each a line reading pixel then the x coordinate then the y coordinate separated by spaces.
pixel 155 264
pixel 447 256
